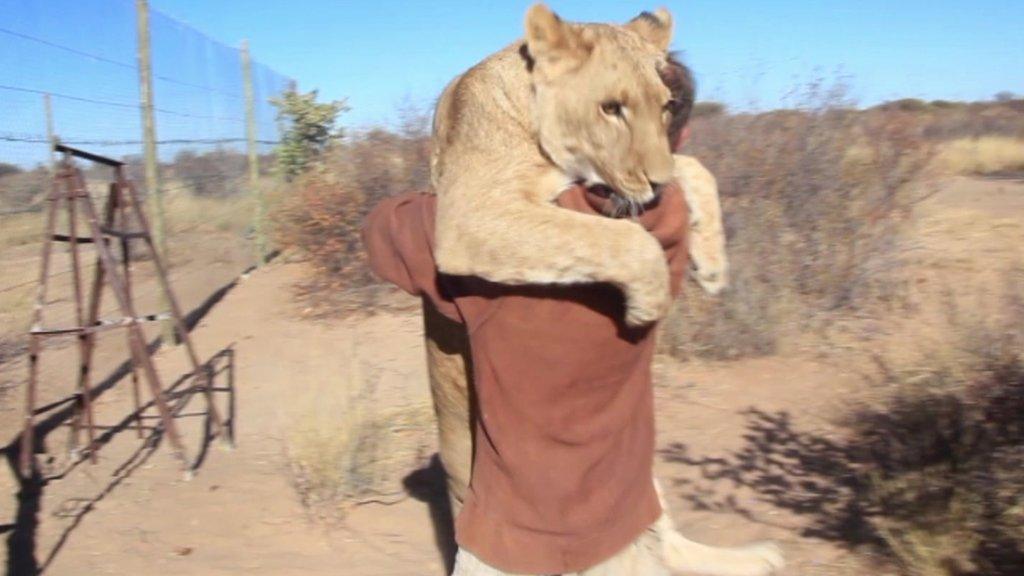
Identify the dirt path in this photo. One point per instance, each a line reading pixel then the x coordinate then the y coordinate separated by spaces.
pixel 133 513
pixel 745 450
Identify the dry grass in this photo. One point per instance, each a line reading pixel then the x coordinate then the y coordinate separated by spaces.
pixel 815 202
pixel 187 212
pixel 943 459
pixel 984 155
pixel 23 189
pixel 346 450
pixel 20 229
pixel 15 305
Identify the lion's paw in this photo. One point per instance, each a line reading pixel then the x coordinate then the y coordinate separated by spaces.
pixel 712 280
pixel 643 308
pixel 760 559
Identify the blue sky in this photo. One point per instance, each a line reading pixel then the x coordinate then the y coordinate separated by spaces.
pixel 747 53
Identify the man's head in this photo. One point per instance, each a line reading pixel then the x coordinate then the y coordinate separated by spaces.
pixel 679 80
pixel 601 109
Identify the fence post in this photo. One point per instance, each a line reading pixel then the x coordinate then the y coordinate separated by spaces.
pixel 254 159
pixel 156 207
pixel 51 138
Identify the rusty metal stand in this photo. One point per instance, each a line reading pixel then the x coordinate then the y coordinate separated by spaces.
pixel 69 187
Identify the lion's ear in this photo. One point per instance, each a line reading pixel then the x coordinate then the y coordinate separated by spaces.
pixel 656 28
pixel 552 43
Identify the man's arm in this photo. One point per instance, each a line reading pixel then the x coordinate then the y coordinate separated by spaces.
pixel 399 237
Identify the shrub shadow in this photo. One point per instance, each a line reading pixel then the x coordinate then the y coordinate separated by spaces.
pixel 925 463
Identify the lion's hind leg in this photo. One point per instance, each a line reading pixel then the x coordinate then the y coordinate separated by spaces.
pixel 684 555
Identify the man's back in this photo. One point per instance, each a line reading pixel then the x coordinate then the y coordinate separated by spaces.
pixel 565 439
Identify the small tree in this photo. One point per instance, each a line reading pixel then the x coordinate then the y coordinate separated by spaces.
pixel 1004 96
pixel 6 169
pixel 308 129
pixel 708 108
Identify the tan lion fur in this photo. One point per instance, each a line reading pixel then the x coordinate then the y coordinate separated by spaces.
pixel 706 235
pixel 514 130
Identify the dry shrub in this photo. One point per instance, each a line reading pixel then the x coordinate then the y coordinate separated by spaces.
pixel 321 217
pixel 345 449
pixel 218 172
pixel 944 459
pixel 974 120
pixel 321 212
pixel 985 155
pixel 24 190
pixel 945 473
pixel 813 200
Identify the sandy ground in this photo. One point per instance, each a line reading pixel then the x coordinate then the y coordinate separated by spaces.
pixel 744 446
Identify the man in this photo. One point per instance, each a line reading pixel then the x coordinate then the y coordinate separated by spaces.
pixel 564 448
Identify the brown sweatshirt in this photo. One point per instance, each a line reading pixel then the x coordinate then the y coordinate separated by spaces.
pixel 564 448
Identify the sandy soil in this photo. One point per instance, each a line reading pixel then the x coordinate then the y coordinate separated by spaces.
pixel 745 447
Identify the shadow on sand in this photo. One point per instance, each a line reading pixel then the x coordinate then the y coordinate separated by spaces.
pixel 428 484
pixel 23 557
pixel 906 466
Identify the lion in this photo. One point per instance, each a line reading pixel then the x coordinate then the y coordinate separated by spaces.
pixel 571 102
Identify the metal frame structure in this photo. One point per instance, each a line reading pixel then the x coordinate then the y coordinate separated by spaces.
pixel 117 227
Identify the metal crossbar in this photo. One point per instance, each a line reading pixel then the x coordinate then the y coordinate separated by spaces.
pixel 123 220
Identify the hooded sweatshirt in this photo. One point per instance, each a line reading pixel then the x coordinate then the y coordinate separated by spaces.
pixel 564 445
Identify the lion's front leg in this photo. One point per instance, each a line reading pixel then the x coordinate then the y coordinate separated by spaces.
pixel 508 238
pixel 706 237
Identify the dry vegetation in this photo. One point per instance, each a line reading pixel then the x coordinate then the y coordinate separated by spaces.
pixel 833 188
pixel 345 451
pixel 320 213
pixel 817 201
pixel 941 461
pixel 933 469
pixel 814 201
pixel 982 155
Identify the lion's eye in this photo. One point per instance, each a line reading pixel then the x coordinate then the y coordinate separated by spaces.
pixel 612 108
pixel 672 105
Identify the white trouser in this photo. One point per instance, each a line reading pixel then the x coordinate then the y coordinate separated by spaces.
pixel 641 558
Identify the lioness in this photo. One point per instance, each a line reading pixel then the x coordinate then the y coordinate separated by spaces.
pixel 486 130
pixel 573 102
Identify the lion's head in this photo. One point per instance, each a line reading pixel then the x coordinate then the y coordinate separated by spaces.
pixel 601 110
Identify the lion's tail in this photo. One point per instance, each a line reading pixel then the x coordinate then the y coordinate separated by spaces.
pixel 683 555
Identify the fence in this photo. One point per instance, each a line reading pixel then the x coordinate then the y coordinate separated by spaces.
pixel 74 71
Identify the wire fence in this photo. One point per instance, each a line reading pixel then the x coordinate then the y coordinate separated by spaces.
pixel 72 73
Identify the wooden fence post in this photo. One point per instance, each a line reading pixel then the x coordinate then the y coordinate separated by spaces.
pixel 155 201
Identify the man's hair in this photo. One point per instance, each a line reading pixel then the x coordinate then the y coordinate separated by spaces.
pixel 679 80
